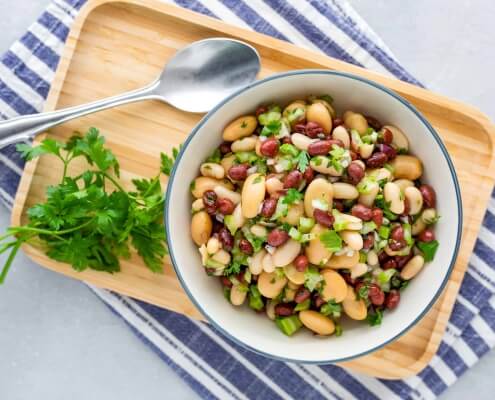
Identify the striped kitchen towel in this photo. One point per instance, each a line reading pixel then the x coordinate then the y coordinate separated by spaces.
pixel 210 363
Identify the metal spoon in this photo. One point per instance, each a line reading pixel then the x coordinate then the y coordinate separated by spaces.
pixel 196 79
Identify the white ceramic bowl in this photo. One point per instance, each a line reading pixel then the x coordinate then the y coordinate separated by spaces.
pixel 256 331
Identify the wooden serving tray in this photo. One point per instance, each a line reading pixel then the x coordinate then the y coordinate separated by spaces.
pixel 115 46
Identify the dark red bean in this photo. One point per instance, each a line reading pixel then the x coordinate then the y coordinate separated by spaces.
pixel 354 155
pixel 245 247
pixel 361 211
pixel 373 122
pixel 313 130
pixel 226 239
pixel 396 245
pixel 217 226
pixel 293 179
pixel 407 208
pixel 210 201
pixel 336 142
pixel 377 216
pixel 369 241
pixel 355 173
pixel 225 206
pixel 427 235
pixel 269 148
pixel 393 299
pixel 301 263
pixel 337 122
pixel 323 218
pixel 308 174
pixel 386 136
pixel 226 281
pixel 397 233
pixel 382 257
pixel 261 110
pixel 301 295
pixel 284 309
pixel 238 172
pixel 318 301
pixel 277 237
pixel 390 152
pixel 225 148
pixel 300 128
pixel 240 277
pixel 268 208
pixel 377 160
pixel 319 148
pixel 389 264
pixel 338 205
pixel 348 279
pixel 286 140
pixel 375 294
pixel 402 260
pixel 429 196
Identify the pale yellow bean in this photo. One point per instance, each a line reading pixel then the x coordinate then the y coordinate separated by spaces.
pixel 352 223
pixel 238 295
pixel 224 193
pixel 323 165
pixel 380 174
pixel 343 261
pixel 227 163
pixel 353 239
pixel 258 230
pixel 301 141
pixel 372 258
pixel 403 184
pixel 240 127
pixel 317 322
pixel 412 268
pixel 238 219
pixel 319 189
pixel 294 212
pixel 270 309
pixel 267 263
pixel 368 198
pixel 270 284
pixel 253 194
pixel 293 275
pixel 366 150
pixel 204 183
pixel 407 167
pixel 298 104
pixel 392 194
pixel 244 144
pixel 255 262
pixel 316 252
pixel 353 307
pixel 201 227
pixel 212 170
pixel 399 140
pixel 418 226
pixel 327 105
pixel 415 199
pixel 335 287
pixel 429 216
pixel 222 256
pixel 213 245
pixel 197 205
pixel 293 285
pixel 286 253
pixel 358 270
pixel 344 191
pixel 355 121
pixel 274 185
pixel 289 295
pixel 257 149
pixel 318 113
pixel 341 134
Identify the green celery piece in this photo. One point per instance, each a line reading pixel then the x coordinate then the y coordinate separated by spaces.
pixel 289 325
pixel 255 300
pixel 384 232
pixel 306 224
pixel 303 306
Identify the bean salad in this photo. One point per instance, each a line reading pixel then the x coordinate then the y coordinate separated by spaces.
pixel 312 218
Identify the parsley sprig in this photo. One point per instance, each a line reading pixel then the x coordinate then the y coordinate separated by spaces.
pixel 90 220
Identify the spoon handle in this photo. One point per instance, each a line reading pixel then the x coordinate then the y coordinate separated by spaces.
pixel 25 127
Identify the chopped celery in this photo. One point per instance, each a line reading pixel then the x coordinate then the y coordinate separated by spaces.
pixel 368 227
pixel 289 149
pixel 320 204
pixel 270 116
pixel 303 306
pixel 384 232
pixel 306 224
pixel 295 114
pixel 331 308
pixel 288 325
pixel 408 234
pixel 295 234
pixel 230 223
pixel 255 300
pixel 210 263
pixel 246 157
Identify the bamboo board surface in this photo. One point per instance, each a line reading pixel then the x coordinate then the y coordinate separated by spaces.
pixel 115 46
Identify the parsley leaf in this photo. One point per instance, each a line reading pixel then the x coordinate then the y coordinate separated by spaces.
pixel 428 249
pixel 47 146
pixel 375 318
pixel 167 162
pixel 215 157
pixel 331 308
pixel 312 278
pixel 302 161
pixel 292 196
pixel 331 240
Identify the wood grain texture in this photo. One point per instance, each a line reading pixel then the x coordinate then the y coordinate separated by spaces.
pixel 116 46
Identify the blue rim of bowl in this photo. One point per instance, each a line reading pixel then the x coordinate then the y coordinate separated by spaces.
pixel 377 86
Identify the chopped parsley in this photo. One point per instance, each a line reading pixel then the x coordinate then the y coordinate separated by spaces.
pixel 428 249
pixel 312 278
pixel 302 161
pixel 331 240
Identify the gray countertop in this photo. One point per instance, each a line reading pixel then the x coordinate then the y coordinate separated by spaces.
pixel 59 341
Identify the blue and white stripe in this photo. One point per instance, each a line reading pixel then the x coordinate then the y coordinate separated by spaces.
pixel 214 366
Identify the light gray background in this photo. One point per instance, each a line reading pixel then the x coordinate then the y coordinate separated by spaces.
pixel 58 341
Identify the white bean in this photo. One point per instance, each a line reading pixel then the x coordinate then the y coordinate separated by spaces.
pixel 418 226
pixel 255 262
pixel 392 194
pixel 345 191
pixel 259 230
pixel 372 258
pixel 224 193
pixel 412 268
pixel 222 257
pixel 286 253
pixel 301 141
pixel 414 198
pixel 197 205
pixel 212 170
pixel 353 239
pixel 366 149
pixel 270 309
pixel 213 245
pixel 399 140
pixel 341 134
pixel 324 165
pixel 238 295
pixel 429 216
pixel 244 144
pixel 267 263
pixel 358 270
pixel 368 198
pixel 274 185
pixel 403 183
pixel 253 194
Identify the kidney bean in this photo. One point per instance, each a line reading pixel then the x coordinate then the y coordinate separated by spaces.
pixel 397 233
pixel 354 155
pixel 386 136
pixel 361 211
pixel 226 239
pixel 308 175
pixel 375 294
pixel 300 128
pixel 396 245
pixel 226 281
pixel 373 122
pixel 254 278
pixel 240 277
pixel 323 218
pixel 429 196
pixel 238 172
pixel 402 260
pixel 301 263
pixel 210 201
pixel 377 160
pixel 382 257
pixel 348 279
pixel 369 241
pixel 277 237
pixel 355 173
pixel 269 148
pixel 293 179
pixel 268 208
pixel 225 206
pixel 313 129
pixel 225 148
pixel 261 110
pixel 246 247
pixel 318 301
pixel 336 142
pixel 393 299
pixel 390 152
pixel 217 226
pixel 377 216
pixel 337 122
pixel 338 205
pixel 427 235
pixel 284 309
pixel 407 209
pixel 301 295
pixel 389 264
pixel 319 148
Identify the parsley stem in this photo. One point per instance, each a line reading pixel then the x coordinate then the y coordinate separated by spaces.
pixel 114 181
pixel 51 233
pixel 9 261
